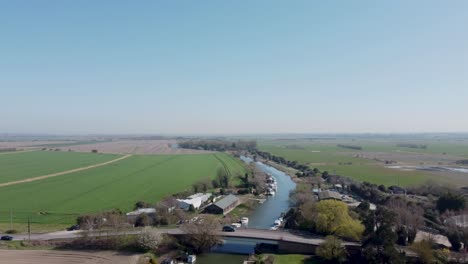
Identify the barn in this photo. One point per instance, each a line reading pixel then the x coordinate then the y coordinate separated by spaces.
pixel 223 206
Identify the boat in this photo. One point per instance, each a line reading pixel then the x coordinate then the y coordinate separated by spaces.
pixel 274 228
pixel 244 220
pixel 277 222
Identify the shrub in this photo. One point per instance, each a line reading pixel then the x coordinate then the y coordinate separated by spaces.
pixel 331 250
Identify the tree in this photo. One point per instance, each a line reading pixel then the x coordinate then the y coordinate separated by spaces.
pixel 202 235
pixel 450 201
pixel 143 220
pixel 331 250
pixel 332 217
pixel 409 218
pixel 141 204
pixel 424 251
pixel 149 240
pixel 379 244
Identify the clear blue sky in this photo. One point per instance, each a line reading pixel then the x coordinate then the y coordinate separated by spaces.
pixel 233 66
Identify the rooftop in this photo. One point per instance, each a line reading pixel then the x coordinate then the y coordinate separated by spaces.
pixel 226 201
pixel 329 195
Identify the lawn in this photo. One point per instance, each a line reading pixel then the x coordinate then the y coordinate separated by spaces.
pixel 23 165
pixel 295 259
pixel 118 185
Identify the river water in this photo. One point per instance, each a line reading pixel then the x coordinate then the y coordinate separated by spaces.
pixel 235 250
pixel 266 213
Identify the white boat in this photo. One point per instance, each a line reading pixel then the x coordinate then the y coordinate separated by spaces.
pixel 244 220
pixel 277 222
pixel 274 228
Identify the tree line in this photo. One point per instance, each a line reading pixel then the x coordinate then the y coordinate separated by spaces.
pixel 219 145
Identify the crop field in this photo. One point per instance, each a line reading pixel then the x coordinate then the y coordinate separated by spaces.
pixel 115 186
pixel 369 164
pixel 144 147
pixel 23 165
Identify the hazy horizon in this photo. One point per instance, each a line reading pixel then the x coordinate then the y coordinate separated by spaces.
pixel 208 67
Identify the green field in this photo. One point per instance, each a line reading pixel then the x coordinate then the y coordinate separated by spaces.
pixel 23 165
pixel 118 185
pixel 327 156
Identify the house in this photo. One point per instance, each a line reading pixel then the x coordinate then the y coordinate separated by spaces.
pixel 326 195
pixel 223 206
pixel 439 240
pixel 132 216
pixel 397 190
pixel 195 200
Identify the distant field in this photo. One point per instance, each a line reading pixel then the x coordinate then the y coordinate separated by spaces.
pixel 118 185
pixel 146 147
pixel 23 165
pixel 326 155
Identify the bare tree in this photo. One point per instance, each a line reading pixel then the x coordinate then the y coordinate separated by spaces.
pixel 409 218
pixel 203 234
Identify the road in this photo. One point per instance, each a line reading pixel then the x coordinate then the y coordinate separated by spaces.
pixel 249 233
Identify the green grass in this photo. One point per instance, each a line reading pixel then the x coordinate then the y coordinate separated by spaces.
pixel 118 185
pixel 23 165
pixel 294 259
pixel 329 157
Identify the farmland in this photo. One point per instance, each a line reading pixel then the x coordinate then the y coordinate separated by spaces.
pixel 118 185
pixel 145 147
pixel 23 165
pixel 369 164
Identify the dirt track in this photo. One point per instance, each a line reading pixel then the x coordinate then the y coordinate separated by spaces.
pixel 61 256
pixel 63 172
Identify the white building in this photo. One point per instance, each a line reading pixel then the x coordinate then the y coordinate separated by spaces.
pixel 133 215
pixel 196 200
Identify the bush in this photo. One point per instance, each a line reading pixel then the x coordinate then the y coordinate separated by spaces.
pixel 11 231
pixel 451 201
pixel 243 191
pixel 143 220
pixel 331 250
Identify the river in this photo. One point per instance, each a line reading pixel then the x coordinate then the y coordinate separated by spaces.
pixel 235 250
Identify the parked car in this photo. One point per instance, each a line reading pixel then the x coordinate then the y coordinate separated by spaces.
pixel 229 229
pixel 7 238
pixel 236 225
pixel 73 228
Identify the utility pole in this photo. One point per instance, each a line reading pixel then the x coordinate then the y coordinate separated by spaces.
pixel 29 229
pixel 11 219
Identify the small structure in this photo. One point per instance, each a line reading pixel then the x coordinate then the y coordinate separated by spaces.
pixel 327 195
pixel 372 206
pixel 132 216
pixel 223 206
pixel 440 240
pixel 458 220
pixel 195 200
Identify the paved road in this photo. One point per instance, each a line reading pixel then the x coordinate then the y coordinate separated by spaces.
pixel 240 233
